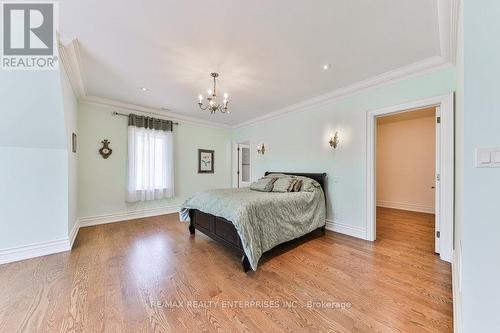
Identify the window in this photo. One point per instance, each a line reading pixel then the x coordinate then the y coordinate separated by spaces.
pixel 150 164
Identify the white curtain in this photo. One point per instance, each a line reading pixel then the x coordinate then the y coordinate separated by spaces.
pixel 150 164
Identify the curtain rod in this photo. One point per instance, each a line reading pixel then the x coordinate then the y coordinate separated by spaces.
pixel 126 115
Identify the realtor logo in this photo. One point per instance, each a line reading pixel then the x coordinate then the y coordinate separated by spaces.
pixel 29 39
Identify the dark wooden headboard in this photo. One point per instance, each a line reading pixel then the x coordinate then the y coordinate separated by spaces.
pixel 319 177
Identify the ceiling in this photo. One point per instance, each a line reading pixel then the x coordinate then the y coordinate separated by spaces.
pixel 269 54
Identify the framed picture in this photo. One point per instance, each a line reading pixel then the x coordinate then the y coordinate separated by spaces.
pixel 205 161
pixel 73 142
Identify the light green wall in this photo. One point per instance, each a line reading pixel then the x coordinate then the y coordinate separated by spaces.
pixel 31 99
pixel 299 141
pixel 33 159
pixel 102 183
pixel 33 196
pixel 480 209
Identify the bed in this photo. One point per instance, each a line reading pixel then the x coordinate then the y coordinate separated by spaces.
pixel 252 222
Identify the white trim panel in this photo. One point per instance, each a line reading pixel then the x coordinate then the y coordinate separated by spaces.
pixel 34 250
pixel 125 216
pixel 406 206
pixel 346 229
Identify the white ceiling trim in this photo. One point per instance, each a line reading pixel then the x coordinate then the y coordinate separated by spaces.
pixel 402 73
pixel 447 12
pixel 69 55
pixel 455 15
pixel 448 20
pixel 100 101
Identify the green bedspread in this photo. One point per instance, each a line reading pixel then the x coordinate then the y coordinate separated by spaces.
pixel 262 219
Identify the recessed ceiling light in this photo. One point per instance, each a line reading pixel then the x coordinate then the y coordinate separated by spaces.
pixel 144 89
pixel 326 67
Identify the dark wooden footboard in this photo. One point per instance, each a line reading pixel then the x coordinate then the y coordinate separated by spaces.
pixel 219 229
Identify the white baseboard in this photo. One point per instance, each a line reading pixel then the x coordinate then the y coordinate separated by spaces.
pixel 124 216
pixel 34 250
pixel 74 232
pixel 456 277
pixel 346 229
pixel 406 206
pixel 62 245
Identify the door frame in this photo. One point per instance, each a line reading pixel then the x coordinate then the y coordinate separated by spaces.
pixel 447 158
pixel 240 181
pixel 437 182
pixel 234 153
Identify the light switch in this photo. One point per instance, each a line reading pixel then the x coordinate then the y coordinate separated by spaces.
pixel 496 158
pixel 484 157
pixel 488 157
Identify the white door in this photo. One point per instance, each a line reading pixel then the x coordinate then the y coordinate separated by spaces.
pixel 243 165
pixel 437 186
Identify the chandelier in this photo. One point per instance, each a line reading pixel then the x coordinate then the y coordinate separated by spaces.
pixel 212 104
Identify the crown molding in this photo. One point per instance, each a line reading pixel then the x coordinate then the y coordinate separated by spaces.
pixel 447 12
pixel 448 20
pixel 69 54
pixel 128 107
pixel 403 73
pixel 455 15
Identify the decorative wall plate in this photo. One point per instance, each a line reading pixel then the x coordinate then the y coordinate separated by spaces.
pixel 105 151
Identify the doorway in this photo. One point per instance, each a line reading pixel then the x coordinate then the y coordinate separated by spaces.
pixel 407 144
pixel 444 173
pixel 243 164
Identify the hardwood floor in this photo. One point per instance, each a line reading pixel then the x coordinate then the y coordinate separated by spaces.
pixel 133 276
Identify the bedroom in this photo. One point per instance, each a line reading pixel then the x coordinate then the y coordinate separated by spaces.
pixel 127 206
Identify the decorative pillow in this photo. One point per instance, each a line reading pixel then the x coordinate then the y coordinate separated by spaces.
pixel 292 184
pixel 282 184
pixel 308 184
pixel 297 185
pixel 263 185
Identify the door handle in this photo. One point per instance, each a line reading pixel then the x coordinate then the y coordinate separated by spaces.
pixel 433 187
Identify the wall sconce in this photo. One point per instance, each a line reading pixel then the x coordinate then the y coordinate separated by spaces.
pixel 261 149
pixel 334 141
